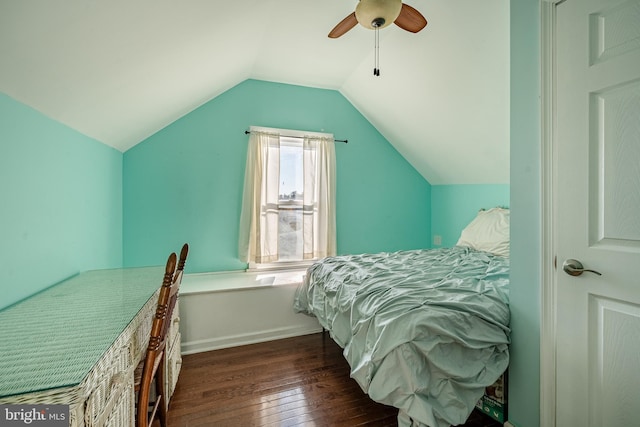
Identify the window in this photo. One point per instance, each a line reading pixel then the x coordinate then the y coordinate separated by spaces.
pixel 288 211
pixel 290 236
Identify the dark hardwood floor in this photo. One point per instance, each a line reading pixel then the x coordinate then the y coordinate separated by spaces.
pixel 301 381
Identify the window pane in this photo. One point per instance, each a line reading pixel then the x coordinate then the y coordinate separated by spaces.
pixel 291 175
pixel 290 235
pixel 290 203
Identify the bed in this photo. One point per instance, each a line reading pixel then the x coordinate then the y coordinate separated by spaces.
pixel 426 331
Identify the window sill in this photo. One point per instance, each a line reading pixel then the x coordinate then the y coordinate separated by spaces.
pixel 282 266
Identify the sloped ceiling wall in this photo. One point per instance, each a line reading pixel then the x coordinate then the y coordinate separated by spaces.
pixel 119 71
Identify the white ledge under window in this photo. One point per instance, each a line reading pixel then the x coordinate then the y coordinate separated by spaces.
pixel 195 283
pixel 280 265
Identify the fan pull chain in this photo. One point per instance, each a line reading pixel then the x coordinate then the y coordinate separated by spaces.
pixel 376 56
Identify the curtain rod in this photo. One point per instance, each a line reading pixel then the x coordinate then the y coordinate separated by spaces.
pixel 346 141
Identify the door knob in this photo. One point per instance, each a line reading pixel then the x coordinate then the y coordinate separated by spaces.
pixel 573 267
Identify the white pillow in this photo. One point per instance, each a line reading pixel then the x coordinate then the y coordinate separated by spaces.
pixel 488 232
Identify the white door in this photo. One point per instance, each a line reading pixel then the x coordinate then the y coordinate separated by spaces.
pixel 597 212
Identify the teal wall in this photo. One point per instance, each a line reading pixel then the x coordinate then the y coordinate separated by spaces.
pixel 61 202
pixel 454 206
pixel 524 370
pixel 185 182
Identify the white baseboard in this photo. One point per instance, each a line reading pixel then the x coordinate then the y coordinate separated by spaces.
pixel 244 339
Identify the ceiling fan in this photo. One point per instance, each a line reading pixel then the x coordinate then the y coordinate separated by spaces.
pixel 377 14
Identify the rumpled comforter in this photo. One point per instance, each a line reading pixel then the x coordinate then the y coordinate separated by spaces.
pixel 423 330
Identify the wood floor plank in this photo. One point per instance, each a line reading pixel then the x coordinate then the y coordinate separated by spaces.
pixel 300 381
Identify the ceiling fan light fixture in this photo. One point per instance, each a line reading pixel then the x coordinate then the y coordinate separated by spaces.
pixel 374 14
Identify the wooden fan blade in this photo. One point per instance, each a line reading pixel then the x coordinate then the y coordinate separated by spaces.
pixel 343 26
pixel 410 19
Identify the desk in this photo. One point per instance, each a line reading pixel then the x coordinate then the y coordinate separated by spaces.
pixel 78 342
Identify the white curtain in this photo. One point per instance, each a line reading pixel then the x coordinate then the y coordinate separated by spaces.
pixel 258 241
pixel 259 219
pixel 319 208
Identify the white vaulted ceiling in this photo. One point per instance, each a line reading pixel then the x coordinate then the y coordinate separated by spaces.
pixel 120 70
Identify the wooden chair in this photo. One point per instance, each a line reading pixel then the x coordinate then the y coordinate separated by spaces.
pixel 152 366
